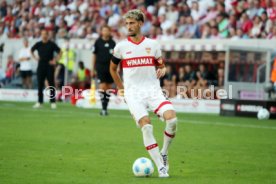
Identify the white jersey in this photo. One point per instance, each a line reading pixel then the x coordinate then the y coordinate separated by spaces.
pixel 25 53
pixel 139 61
pixel 142 87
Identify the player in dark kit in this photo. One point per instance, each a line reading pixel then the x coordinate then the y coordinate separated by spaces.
pixel 46 66
pixel 102 54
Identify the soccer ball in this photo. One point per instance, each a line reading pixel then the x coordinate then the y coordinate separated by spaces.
pixel 263 114
pixel 142 167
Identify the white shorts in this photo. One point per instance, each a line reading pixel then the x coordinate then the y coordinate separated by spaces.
pixel 139 106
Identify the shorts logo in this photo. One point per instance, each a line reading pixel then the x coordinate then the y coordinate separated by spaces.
pixel 148 50
pixel 129 52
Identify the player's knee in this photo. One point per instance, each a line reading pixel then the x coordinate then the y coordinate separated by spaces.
pixel 147 129
pixel 171 126
pixel 103 87
pixel 144 121
pixel 170 114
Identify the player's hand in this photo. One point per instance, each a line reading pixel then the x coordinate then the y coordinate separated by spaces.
pixel 121 92
pixel 37 58
pixel 92 74
pixel 53 62
pixel 160 72
pixel 26 58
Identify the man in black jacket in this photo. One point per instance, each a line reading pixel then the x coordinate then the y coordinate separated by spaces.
pixel 46 66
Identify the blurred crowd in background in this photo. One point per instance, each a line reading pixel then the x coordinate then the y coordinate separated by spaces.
pixel 165 20
pixel 192 78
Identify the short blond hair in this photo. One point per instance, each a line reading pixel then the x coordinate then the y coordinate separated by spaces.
pixel 135 14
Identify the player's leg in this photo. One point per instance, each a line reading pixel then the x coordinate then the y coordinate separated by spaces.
pixel 164 109
pixel 150 141
pixel 41 76
pixel 51 82
pixel 29 80
pixel 103 87
pixel 169 117
pixel 23 76
pixel 140 114
pixel 170 130
pixel 151 145
pixel 105 83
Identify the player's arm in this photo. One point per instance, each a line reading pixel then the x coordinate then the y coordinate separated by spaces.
pixel 32 52
pixel 58 56
pixel 161 71
pixel 21 58
pixel 113 68
pixel 161 68
pixel 115 75
pixel 93 64
pixel 34 56
pixel 55 59
pixel 160 64
pixel 94 60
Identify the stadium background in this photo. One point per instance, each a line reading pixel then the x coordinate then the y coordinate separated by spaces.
pixel 203 33
pixel 233 39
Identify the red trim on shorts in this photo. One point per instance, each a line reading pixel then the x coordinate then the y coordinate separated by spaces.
pixel 169 135
pixel 136 43
pixel 151 146
pixel 134 62
pixel 161 105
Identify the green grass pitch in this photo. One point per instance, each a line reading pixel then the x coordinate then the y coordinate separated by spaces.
pixel 72 145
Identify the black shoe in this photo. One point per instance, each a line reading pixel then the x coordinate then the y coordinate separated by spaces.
pixel 104 113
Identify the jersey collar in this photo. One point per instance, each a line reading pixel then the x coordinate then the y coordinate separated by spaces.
pixel 136 43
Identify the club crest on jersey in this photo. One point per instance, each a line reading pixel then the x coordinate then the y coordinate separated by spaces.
pixel 148 50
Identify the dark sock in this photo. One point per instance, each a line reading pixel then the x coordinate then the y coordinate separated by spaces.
pixel 104 100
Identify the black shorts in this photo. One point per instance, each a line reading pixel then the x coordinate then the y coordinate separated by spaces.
pixel 25 74
pixel 104 76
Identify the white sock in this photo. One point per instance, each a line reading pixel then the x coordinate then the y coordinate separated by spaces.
pixel 169 134
pixel 151 145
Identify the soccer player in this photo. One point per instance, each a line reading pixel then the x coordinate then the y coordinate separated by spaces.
pixel 102 54
pixel 143 65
